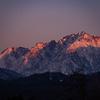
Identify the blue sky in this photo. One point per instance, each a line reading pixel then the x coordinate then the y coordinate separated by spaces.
pixel 26 22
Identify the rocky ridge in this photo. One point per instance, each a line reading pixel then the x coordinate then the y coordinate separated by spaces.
pixel 73 51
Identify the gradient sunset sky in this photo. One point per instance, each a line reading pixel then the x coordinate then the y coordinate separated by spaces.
pixel 26 22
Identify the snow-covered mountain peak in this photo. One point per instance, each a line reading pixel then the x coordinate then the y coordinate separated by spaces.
pixel 69 39
pixel 82 39
pixel 66 38
pixel 53 42
pixel 82 33
pixel 6 51
pixel 40 45
pixel 62 56
pixel 14 48
pixel 33 51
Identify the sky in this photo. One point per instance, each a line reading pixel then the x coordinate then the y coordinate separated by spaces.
pixel 23 23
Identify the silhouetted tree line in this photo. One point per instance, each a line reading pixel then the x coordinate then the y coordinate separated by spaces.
pixel 80 86
pixel 19 97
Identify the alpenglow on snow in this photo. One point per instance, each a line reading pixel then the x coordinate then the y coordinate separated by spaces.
pixel 73 51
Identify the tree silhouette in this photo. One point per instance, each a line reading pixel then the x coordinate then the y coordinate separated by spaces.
pixel 31 98
pixel 80 82
pixel 20 97
pixel 95 95
pixel 14 97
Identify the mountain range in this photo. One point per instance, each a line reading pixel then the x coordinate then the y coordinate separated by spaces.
pixel 68 54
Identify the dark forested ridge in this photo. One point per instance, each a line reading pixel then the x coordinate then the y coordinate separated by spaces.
pixel 52 86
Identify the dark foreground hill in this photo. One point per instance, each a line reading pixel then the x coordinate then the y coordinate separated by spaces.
pixel 52 86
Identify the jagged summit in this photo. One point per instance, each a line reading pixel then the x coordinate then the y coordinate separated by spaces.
pixel 78 34
pixel 73 37
pixel 71 52
pixel 14 48
pixel 82 39
pixel 82 33
pixel 6 51
pixel 71 42
pixel 40 45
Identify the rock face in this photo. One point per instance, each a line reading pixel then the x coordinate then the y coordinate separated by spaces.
pixel 74 51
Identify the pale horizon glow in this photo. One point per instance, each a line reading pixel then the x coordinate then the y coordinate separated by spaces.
pixel 23 23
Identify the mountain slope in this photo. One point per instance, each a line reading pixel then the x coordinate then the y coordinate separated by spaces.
pixel 8 74
pixel 74 51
